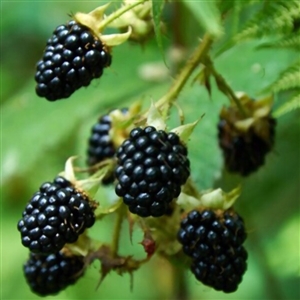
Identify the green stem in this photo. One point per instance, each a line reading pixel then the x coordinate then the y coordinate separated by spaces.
pixel 181 291
pixel 117 229
pixel 178 29
pixel 224 86
pixel 187 71
pixel 119 13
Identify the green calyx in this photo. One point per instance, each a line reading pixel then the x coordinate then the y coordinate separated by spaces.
pixel 97 22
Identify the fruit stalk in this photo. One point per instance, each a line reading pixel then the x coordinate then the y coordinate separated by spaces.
pixel 181 290
pixel 119 13
pixel 224 87
pixel 194 60
pixel 117 230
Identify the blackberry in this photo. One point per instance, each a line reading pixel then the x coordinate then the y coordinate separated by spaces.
pixel 213 239
pixel 244 151
pixel 57 214
pixel 152 166
pixel 72 58
pixel 100 144
pixel 49 274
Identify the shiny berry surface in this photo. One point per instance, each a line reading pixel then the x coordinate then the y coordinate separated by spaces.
pixel 152 166
pixel 214 241
pixel 73 57
pixel 50 274
pixel 55 215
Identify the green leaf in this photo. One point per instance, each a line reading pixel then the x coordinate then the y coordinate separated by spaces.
pixel 290 41
pixel 157 7
pixel 207 14
pixel 289 106
pixel 288 79
pixel 277 16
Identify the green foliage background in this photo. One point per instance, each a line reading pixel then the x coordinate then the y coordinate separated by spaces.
pixel 37 137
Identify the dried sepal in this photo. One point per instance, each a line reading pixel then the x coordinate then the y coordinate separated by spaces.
pixel 97 22
pixel 257 110
pixel 258 119
pixel 92 19
pixel 92 184
pixel 188 202
pixel 122 122
pixel 218 199
pixel 184 131
pixel 116 39
pixel 139 19
pixel 155 119
pixel 69 172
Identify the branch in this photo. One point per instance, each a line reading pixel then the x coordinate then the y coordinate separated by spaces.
pixel 119 13
pixel 224 87
pixel 117 229
pixel 187 71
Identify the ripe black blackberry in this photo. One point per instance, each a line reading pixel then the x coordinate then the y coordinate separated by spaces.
pixel 152 166
pixel 100 144
pixel 244 150
pixel 72 58
pixel 57 214
pixel 49 274
pixel 213 239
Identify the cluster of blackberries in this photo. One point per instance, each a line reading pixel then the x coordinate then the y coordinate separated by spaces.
pixel 72 58
pixel 57 214
pixel 213 239
pixel 152 165
pixel 100 143
pixel 245 151
pixel 49 274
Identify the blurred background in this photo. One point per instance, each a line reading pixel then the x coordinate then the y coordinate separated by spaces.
pixel 38 136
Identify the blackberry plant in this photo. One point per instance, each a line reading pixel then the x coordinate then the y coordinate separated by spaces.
pixel 160 158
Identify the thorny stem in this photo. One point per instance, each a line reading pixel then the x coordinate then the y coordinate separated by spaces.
pixel 224 86
pixel 119 13
pixel 187 71
pixel 117 229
